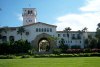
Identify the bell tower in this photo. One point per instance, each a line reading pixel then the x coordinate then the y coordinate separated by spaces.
pixel 29 16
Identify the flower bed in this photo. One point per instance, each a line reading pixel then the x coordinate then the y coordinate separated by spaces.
pixel 81 50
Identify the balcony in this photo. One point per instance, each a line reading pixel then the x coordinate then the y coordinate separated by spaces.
pixel 78 37
pixel 28 14
pixel 73 37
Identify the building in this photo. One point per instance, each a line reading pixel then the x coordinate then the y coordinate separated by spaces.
pixel 38 31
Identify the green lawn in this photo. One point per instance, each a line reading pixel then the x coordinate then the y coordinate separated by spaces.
pixel 52 62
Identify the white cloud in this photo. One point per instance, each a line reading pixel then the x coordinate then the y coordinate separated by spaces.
pixel 91 5
pixel 20 17
pixel 79 21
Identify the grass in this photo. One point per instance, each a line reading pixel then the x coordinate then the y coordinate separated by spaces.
pixel 52 62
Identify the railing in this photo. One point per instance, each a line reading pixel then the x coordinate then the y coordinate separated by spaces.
pixel 78 37
pixel 28 14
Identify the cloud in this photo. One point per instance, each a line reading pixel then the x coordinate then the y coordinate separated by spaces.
pixel 20 17
pixel 79 21
pixel 91 5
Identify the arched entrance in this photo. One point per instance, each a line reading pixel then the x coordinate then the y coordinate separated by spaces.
pixel 43 45
pixel 35 42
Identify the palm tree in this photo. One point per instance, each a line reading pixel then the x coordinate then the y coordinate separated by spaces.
pixel 20 31
pixel 67 29
pixel 98 25
pixel 6 28
pixel 85 35
pixel 85 29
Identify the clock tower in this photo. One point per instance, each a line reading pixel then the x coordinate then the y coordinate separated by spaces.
pixel 29 16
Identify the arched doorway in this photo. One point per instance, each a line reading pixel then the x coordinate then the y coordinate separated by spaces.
pixel 43 45
pixel 38 38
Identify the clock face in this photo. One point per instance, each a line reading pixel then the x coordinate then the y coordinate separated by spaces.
pixel 28 20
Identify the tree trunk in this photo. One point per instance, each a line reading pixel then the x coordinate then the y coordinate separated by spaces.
pixel 21 35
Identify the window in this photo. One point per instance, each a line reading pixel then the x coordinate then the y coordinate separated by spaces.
pixel 64 35
pixel 73 36
pixel 11 38
pixel 27 33
pixel 44 29
pixel 59 41
pixel 78 36
pixel 36 29
pixel 4 38
pixel 31 12
pixel 50 29
pixel 71 41
pixel 28 12
pixel 47 29
pixel 39 29
pixel 66 41
pixel 58 35
pixel 80 41
pixel 30 20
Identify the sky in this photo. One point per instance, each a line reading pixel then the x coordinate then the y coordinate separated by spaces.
pixel 75 14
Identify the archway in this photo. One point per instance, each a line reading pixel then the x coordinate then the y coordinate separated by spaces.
pixel 38 38
pixel 43 45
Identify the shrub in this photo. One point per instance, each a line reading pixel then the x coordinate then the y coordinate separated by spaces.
pixel 7 56
pixel 95 50
pixel 87 50
pixel 11 56
pixel 75 51
pixel 20 46
pixel 26 56
pixel 32 52
pixel 75 47
pixel 56 51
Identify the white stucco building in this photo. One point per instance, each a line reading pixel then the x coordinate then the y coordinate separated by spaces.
pixel 35 29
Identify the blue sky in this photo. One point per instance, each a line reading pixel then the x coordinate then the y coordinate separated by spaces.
pixel 76 14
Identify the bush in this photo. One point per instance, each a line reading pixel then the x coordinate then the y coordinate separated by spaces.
pixel 75 51
pixel 26 56
pixel 87 50
pixel 56 51
pixel 32 52
pixel 7 56
pixel 75 47
pixel 20 46
pixel 63 47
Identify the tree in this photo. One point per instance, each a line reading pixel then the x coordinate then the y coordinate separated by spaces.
pixel 62 45
pixel 90 36
pixel 87 42
pixel 6 28
pixel 85 29
pixel 67 29
pixel 79 31
pixel 94 42
pixel 20 31
pixel 98 34
pixel 53 38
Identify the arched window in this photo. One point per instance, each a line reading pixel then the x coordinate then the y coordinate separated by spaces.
pixel 28 12
pixel 42 29
pixel 31 11
pixel 11 38
pixel 47 29
pixel 4 38
pixel 50 29
pixel 39 29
